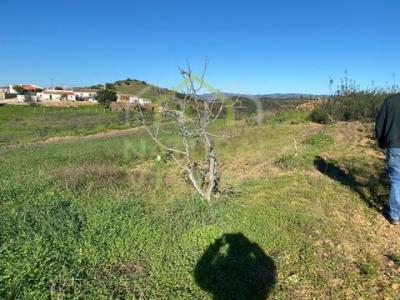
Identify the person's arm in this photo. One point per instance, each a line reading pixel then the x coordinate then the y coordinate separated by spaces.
pixel 380 125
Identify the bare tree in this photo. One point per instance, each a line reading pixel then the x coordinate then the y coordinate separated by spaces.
pixel 193 116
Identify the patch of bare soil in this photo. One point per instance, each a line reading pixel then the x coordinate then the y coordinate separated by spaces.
pixel 359 135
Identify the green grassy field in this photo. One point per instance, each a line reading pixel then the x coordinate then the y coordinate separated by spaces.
pixel 104 219
pixel 19 124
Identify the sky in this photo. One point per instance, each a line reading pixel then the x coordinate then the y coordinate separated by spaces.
pixel 253 47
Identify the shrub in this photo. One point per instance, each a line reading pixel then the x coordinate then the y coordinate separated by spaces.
pixel 350 103
pixel 319 115
pixel 360 105
pixel 106 96
pixel 110 86
pixel 19 89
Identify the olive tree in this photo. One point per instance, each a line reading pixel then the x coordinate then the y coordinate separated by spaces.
pixel 193 117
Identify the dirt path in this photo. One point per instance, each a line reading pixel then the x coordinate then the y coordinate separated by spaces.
pixel 100 135
pixel 115 133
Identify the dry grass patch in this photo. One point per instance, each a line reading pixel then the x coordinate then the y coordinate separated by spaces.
pixel 91 177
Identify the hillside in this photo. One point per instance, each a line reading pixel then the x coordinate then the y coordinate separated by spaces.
pixel 249 106
pixel 104 219
pixel 134 87
pixel 142 89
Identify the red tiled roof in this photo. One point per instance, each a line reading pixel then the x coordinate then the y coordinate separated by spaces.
pixel 29 87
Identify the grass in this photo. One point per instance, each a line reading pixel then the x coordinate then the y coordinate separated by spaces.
pixel 289 116
pixel 104 219
pixel 20 124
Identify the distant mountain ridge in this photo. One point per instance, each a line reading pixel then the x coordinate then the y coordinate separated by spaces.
pixel 213 96
pixel 147 90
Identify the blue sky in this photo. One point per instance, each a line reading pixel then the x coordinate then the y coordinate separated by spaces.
pixel 252 46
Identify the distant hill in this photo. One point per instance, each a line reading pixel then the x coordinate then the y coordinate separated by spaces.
pixel 134 87
pixel 286 96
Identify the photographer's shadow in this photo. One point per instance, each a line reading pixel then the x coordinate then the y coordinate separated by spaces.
pixel 235 268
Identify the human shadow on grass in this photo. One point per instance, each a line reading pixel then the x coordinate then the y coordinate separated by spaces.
pixel 235 268
pixel 370 185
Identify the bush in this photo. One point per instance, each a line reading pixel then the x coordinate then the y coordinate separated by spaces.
pixel 110 86
pixel 356 106
pixel 350 103
pixel 320 116
pixel 106 96
pixel 19 89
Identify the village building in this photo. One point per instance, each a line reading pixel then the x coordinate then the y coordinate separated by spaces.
pixel 138 100
pixel 56 95
pixel 86 94
pixel 31 92
pixel 26 89
pixel 133 99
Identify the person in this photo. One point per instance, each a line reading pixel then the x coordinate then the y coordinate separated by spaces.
pixel 387 129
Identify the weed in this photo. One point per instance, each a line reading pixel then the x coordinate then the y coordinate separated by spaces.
pixel 319 140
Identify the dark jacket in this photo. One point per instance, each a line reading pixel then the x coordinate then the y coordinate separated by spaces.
pixel 387 127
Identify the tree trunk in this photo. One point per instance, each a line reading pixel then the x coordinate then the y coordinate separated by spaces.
pixel 212 175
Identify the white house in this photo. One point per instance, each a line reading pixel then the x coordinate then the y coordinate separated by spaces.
pixel 26 90
pixel 89 95
pixel 11 90
pixel 56 95
pixel 137 100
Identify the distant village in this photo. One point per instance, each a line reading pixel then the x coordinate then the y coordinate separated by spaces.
pixel 34 93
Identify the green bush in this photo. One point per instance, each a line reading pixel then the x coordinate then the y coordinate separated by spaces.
pixel 351 103
pixel 356 106
pixel 106 96
pixel 320 116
